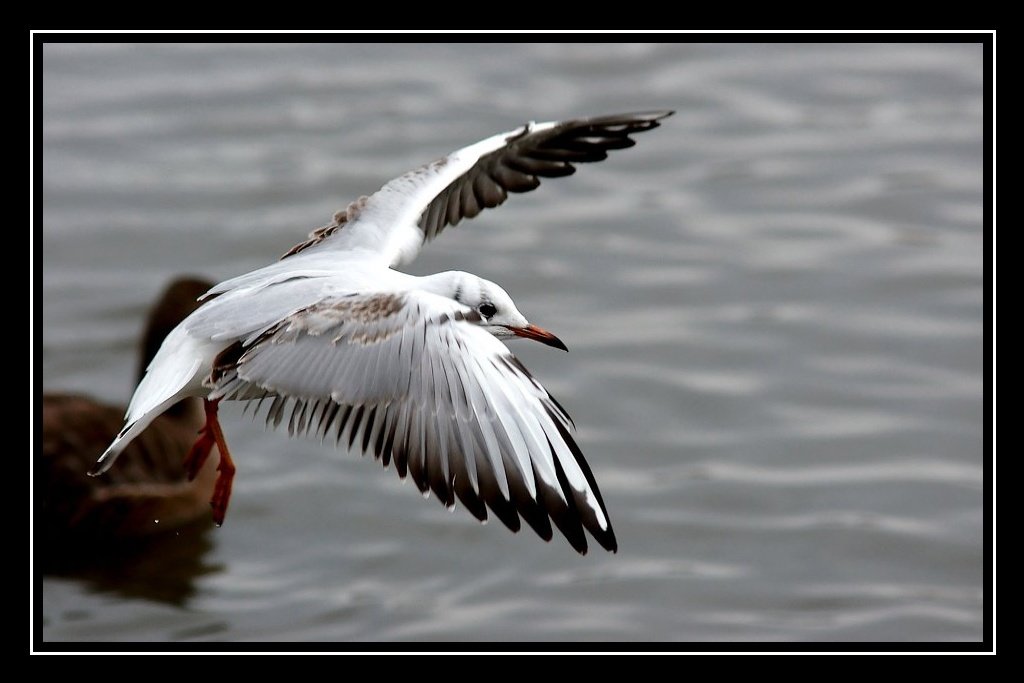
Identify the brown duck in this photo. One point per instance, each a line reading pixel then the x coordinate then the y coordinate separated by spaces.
pixel 143 494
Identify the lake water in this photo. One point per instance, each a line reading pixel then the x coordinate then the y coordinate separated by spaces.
pixel 774 305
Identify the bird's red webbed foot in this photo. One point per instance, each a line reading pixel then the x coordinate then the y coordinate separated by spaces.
pixel 209 435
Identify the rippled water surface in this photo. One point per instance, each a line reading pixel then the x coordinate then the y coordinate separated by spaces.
pixel 774 305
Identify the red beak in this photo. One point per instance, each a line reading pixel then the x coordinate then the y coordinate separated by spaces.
pixel 538 334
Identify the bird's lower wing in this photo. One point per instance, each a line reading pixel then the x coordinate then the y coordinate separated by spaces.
pixel 414 379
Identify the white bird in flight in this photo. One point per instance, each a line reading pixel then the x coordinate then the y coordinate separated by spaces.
pixel 412 369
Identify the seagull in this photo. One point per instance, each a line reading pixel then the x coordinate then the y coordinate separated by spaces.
pixel 337 342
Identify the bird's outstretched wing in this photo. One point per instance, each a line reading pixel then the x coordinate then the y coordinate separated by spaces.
pixel 412 209
pixel 413 378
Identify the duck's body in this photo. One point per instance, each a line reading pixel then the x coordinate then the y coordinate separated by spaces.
pixel 408 368
pixel 147 491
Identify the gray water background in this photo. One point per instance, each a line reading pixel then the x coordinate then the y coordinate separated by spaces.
pixel 774 305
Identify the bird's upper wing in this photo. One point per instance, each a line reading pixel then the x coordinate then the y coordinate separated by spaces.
pixel 414 379
pixel 412 209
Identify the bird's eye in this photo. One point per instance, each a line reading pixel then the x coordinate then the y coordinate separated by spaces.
pixel 487 310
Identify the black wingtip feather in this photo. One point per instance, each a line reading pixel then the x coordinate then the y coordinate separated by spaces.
pixel 440 484
pixel 529 509
pixel 387 449
pixel 371 421
pixel 469 498
pixel 564 515
pixel 529 155
pixel 354 429
pixel 491 494
pixel 399 454
pixel 606 537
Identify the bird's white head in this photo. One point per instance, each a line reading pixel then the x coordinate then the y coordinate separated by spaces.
pixel 498 313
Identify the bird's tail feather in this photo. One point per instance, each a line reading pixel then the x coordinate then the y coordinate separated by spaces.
pixel 171 377
pixel 125 436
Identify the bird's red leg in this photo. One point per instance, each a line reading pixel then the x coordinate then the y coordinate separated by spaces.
pixel 200 450
pixel 209 435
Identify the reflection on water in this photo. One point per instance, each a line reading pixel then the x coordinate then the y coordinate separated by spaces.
pixel 163 568
pixel 774 304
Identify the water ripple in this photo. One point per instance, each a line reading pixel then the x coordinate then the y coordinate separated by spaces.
pixel 774 305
